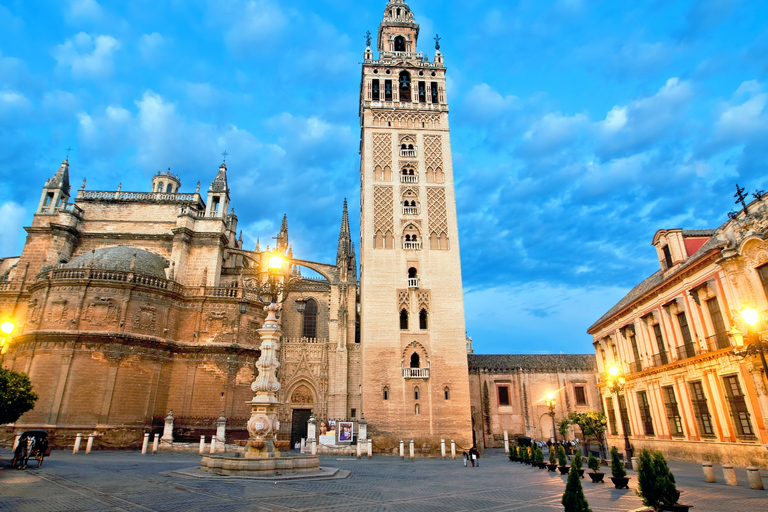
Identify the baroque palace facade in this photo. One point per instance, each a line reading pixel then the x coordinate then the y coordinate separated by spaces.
pixel 694 384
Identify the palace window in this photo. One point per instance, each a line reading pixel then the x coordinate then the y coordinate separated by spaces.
pixel 721 333
pixel 688 348
pixel 738 406
pixel 673 412
pixel 763 273
pixel 310 320
pixel 404 320
pixel 638 363
pixel 503 392
pixel 423 317
pixel 624 415
pixel 611 416
pixel 375 93
pixel 663 357
pixel 701 409
pixel 667 257
pixel 645 412
pixel 581 395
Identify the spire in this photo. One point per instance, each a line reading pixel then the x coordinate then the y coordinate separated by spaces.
pixel 345 247
pixel 258 249
pixel 220 183
pixel 60 179
pixel 282 238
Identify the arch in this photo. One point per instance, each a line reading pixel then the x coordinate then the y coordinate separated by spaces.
pixel 159 187
pixel 447 392
pixel 309 387
pixel 309 329
pixel 404 86
pixel 302 395
pixel 385 393
pixel 415 360
pixel 417 410
pixel 416 392
pixel 169 189
pixel 412 273
pixel 423 320
pixel 389 242
pixel 403 319
pixel 399 40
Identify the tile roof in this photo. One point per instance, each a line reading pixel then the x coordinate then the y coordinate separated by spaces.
pixel 699 232
pixel 532 362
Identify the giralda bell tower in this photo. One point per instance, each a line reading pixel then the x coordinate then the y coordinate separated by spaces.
pixel 415 380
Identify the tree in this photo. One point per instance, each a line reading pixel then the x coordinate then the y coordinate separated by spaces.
pixel 592 424
pixel 655 482
pixel 573 497
pixel 16 395
pixel 562 427
pixel 617 467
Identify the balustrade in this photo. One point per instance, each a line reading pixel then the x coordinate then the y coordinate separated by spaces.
pixel 413 282
pixel 410 210
pixel 415 373
pixel 408 179
pixel 412 246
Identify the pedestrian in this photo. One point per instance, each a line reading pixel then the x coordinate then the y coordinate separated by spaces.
pixel 473 455
pixel 466 458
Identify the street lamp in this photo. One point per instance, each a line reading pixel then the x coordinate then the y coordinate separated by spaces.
pixel 751 317
pixel 551 400
pixel 615 384
pixel 6 327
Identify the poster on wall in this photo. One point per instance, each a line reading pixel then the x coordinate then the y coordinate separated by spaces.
pixel 345 431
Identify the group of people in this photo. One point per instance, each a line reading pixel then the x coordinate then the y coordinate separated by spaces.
pixel 472 456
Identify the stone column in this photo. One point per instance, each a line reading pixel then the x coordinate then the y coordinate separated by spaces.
pixel 221 431
pixel 729 474
pixel 144 445
pixel 755 481
pixel 262 426
pixel 709 472
pixel 155 442
pixel 168 428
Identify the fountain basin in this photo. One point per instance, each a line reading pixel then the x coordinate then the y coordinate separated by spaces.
pixel 272 466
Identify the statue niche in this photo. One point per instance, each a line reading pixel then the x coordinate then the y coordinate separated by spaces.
pixel 302 395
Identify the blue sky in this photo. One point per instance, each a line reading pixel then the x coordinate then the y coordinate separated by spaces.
pixel 579 128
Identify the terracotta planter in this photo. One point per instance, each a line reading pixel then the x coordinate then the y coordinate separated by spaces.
pixel 552 467
pixel 563 469
pixel 597 478
pixel 677 507
pixel 620 483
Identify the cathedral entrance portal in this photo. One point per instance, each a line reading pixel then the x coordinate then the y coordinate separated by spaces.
pixel 299 425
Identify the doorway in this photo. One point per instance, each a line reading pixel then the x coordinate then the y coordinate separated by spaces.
pixel 299 421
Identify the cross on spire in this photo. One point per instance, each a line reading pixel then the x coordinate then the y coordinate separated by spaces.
pixel 225 155
pixel 368 38
pixel 68 150
pixel 437 41
pixel 740 196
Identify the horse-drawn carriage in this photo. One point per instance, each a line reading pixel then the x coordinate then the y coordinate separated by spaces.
pixel 33 444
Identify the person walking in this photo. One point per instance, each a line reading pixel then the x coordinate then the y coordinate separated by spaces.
pixel 466 458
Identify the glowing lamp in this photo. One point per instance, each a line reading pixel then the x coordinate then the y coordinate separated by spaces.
pixel 7 327
pixel 750 316
pixel 275 263
pixel 613 371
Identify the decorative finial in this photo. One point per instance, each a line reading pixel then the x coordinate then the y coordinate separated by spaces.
pixel 225 155
pixel 437 42
pixel 759 194
pixel 368 39
pixel 68 150
pixel 197 189
pixel 740 196
pixel 82 187
pixel 119 187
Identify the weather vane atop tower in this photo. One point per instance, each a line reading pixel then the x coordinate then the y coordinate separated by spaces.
pixel 740 196
pixel 437 41
pixel 368 38
pixel 68 150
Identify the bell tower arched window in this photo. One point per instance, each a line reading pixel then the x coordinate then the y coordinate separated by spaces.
pixel 404 320
pixel 423 317
pixel 399 42
pixel 405 86
pixel 310 320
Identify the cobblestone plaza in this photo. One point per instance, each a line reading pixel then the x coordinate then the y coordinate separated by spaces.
pixel 131 482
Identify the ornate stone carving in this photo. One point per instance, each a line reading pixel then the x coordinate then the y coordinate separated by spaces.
pixel 102 311
pixel 438 216
pixel 424 298
pixel 33 311
pixel 218 322
pixel 302 395
pixel 383 212
pixel 403 300
pixel 57 314
pixel 146 318
pixel 382 150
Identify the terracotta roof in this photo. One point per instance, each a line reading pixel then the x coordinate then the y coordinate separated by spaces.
pixel 531 362
pixel 658 278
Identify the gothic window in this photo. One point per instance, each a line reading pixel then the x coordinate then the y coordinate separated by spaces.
pixel 416 393
pixel 388 91
pixel 375 94
pixel 310 319
pixel 435 96
pixel 423 319
pixel 405 86
pixel 404 320
pixel 399 40
pixel 415 361
pixel 386 393
pixel 422 94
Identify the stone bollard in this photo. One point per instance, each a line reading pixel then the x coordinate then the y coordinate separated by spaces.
pixel 453 449
pixel 442 448
pixel 221 431
pixel 755 481
pixel 145 444
pixel 506 442
pixel 410 450
pixel 729 474
pixel 202 444
pixel 168 428
pixel 16 442
pixel 213 444
pixel 369 443
pixel 78 440
pixel 314 446
pixel 635 464
pixel 359 449
pixel 89 444
pixel 402 450
pixel 709 472
pixel 155 442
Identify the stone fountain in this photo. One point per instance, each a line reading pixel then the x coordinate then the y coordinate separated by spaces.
pixel 262 458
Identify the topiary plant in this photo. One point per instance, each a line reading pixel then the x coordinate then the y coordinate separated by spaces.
pixel 512 452
pixel 593 463
pixel 540 456
pixel 576 461
pixel 655 482
pixel 573 497
pixel 617 467
pixel 552 455
pixel 562 460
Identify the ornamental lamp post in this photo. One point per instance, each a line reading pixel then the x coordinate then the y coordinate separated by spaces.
pixel 551 401
pixel 751 317
pixel 6 327
pixel 615 384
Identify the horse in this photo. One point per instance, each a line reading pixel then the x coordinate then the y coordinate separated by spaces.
pixel 23 452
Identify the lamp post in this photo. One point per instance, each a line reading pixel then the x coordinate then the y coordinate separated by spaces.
pixel 551 401
pixel 615 384
pixel 6 328
pixel 751 317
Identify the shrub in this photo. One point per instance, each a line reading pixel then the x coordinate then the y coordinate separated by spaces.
pixel 655 482
pixel 16 395
pixel 552 455
pixel 525 453
pixel 617 467
pixel 513 451
pixel 593 463
pixel 539 455
pixel 562 460
pixel 573 497
pixel 576 461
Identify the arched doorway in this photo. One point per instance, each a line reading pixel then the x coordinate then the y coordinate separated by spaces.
pixel 302 400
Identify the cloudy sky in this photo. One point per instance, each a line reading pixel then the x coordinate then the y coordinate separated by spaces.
pixel 579 128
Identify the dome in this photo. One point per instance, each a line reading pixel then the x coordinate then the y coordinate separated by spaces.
pixel 120 257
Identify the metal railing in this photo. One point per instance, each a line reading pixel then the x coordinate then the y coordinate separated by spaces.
pixel 687 351
pixel 660 359
pixel 415 373
pixel 413 282
pixel 635 366
pixel 408 179
pixel 718 341
pixel 412 246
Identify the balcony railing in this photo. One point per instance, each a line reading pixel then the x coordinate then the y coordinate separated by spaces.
pixel 408 179
pixel 413 282
pixel 635 366
pixel 415 373
pixel 660 359
pixel 717 342
pixel 412 246
pixel 687 351
pixel 411 210
pixel 410 153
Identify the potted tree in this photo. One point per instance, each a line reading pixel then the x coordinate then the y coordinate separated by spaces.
pixel 552 466
pixel 618 473
pixel 540 458
pixel 576 463
pixel 525 455
pixel 656 483
pixel 562 460
pixel 512 452
pixel 573 497
pixel 594 465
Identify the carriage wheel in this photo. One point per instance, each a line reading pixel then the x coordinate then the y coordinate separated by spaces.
pixel 40 457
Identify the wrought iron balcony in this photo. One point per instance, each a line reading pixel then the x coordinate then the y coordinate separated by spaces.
pixel 636 366
pixel 415 373
pixel 717 342
pixel 412 246
pixel 687 351
pixel 660 359
pixel 413 282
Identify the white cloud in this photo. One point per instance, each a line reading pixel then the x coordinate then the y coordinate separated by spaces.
pixel 13 217
pixel 252 22
pixel 87 55
pixel 487 102
pixel 88 10
pixel 553 132
pixel 150 45
pixel 60 101
pixel 12 101
pixel 739 120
